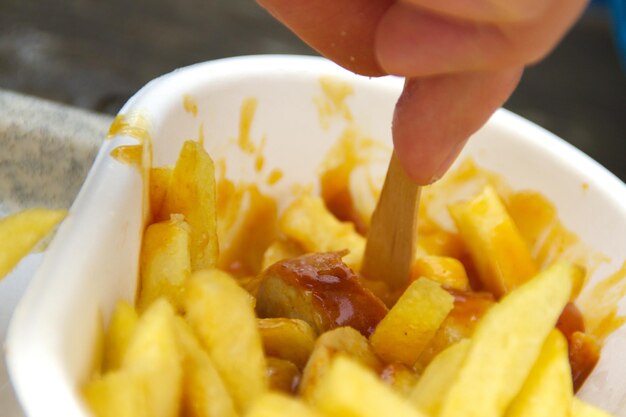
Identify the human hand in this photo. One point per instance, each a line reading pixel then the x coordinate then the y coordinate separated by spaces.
pixel 462 59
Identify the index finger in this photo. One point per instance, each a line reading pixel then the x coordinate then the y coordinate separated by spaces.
pixel 436 115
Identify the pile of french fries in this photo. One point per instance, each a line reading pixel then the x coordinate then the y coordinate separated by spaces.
pixel 474 333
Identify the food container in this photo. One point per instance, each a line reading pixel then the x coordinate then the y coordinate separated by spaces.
pixel 93 261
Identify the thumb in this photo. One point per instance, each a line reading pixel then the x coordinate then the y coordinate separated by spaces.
pixel 436 115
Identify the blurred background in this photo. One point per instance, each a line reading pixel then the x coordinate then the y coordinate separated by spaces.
pixel 96 54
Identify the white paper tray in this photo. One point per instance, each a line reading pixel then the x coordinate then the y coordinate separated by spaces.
pixel 46 150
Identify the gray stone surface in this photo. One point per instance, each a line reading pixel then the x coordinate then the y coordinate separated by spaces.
pixel 47 150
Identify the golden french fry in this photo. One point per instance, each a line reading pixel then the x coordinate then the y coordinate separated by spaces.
pixel 289 339
pixel 153 354
pixel 501 255
pixel 431 388
pixel 412 322
pixel 273 404
pixel 20 232
pixel 442 269
pixel 582 409
pixel 507 342
pixel 118 335
pixel 117 394
pixel 165 263
pixel 191 192
pixel 344 340
pixel 349 389
pixel 279 250
pixel 159 183
pixel 246 226
pixel 204 393
pixel 469 308
pixel 432 240
pixel 222 315
pixel 400 378
pixel 308 222
pixel 548 390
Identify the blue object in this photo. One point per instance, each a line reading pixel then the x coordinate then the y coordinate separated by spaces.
pixel 618 11
pixel 618 16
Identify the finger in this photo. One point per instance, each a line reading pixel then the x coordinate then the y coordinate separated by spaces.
pixel 435 116
pixel 413 42
pixel 342 31
pixel 491 11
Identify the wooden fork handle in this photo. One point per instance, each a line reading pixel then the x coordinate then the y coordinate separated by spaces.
pixel 391 240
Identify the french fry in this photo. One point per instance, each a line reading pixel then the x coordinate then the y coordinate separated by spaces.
pixel 582 409
pixel 308 222
pixel 191 192
pixel 165 263
pixel 548 390
pixel 289 339
pixel 246 226
pixel 160 178
pixel 399 377
pixel 412 322
pixel 278 405
pixel 20 232
pixel 507 342
pixel 279 250
pixel 222 315
pixel 203 391
pixel 364 193
pixel 469 308
pixel 442 269
pixel 117 394
pixel 118 335
pixel 501 255
pixel 344 340
pixel 435 241
pixel 153 354
pixel 349 389
pixel 432 386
